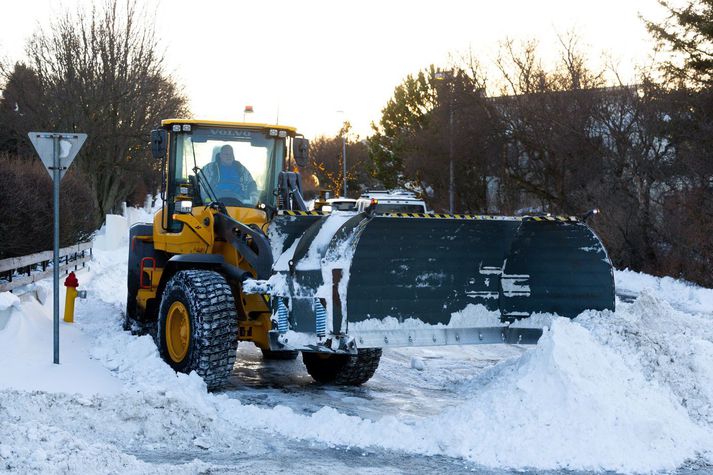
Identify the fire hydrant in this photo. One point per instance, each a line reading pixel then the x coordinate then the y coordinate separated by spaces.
pixel 71 283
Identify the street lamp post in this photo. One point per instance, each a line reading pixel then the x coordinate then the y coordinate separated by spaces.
pixel 448 76
pixel 451 178
pixel 344 163
pixel 344 157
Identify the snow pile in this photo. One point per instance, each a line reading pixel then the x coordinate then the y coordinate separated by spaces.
pixel 569 403
pixel 8 302
pixel 26 350
pixel 670 347
pixel 471 316
pixel 680 294
pixel 630 391
pixel 572 402
pixel 28 446
pixel 115 231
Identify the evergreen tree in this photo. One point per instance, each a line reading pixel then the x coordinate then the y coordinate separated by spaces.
pixel 405 115
pixel 687 34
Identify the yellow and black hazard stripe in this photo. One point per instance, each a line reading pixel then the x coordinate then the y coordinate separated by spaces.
pixel 302 213
pixel 483 217
pixel 560 219
pixel 478 217
pixel 451 216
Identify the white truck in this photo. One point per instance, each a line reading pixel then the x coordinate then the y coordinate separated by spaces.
pixel 392 201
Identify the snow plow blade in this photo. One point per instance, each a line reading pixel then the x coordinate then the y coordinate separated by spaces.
pixel 416 279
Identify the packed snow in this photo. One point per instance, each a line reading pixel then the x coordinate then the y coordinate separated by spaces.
pixel 628 391
pixel 471 316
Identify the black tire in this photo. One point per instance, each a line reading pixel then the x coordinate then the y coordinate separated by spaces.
pixel 347 370
pixel 212 315
pixel 138 328
pixel 280 355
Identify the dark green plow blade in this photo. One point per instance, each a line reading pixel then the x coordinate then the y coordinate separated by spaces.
pixel 429 268
pixel 568 267
pixel 426 268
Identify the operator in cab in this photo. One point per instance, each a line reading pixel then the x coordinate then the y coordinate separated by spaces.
pixel 229 178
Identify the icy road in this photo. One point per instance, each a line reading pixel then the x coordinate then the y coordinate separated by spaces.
pixel 630 391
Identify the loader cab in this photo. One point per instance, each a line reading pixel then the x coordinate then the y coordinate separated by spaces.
pixel 236 164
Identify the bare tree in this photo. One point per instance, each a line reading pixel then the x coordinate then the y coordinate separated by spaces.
pixel 102 72
pixel 553 146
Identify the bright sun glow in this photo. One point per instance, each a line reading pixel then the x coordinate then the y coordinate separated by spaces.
pixel 300 62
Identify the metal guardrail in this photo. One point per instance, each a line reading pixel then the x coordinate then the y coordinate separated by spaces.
pixel 18 271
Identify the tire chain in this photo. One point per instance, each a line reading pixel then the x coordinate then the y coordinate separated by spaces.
pixel 354 371
pixel 211 302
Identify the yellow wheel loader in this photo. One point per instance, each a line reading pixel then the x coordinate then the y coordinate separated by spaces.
pixel 234 255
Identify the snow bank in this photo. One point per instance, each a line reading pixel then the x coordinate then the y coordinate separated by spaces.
pixel 114 234
pixel 572 402
pixel 8 301
pixel 670 347
pixel 29 446
pixel 679 293
pixel 569 403
pixel 471 316
pixel 630 391
pixel 26 350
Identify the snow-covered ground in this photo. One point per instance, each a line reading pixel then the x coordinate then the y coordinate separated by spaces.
pixel 626 391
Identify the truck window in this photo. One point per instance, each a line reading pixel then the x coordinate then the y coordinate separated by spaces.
pixel 398 208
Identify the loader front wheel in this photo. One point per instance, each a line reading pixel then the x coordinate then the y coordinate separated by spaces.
pixel 198 325
pixel 346 370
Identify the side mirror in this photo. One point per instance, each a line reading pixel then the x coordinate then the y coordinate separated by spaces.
pixel 300 150
pixel 158 143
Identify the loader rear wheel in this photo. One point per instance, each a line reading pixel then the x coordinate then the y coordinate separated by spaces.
pixel 349 370
pixel 198 325
pixel 138 328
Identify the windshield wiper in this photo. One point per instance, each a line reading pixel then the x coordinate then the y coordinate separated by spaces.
pixel 202 180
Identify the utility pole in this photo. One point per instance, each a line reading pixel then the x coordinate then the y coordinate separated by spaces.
pixel 451 178
pixel 344 155
pixel 448 76
pixel 344 163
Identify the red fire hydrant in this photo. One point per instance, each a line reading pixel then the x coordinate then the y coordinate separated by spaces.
pixel 71 283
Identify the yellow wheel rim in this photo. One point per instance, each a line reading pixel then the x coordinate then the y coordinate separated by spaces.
pixel 178 331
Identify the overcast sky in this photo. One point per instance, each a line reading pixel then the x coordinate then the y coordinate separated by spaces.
pixel 302 61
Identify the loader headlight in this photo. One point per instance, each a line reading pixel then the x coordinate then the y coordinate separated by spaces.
pixel 186 127
pixel 176 127
pixel 273 132
pixel 184 207
pixel 282 134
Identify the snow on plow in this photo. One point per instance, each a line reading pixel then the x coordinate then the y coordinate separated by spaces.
pixel 347 280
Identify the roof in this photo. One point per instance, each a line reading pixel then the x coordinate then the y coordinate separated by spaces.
pixel 343 200
pixel 391 194
pixel 220 123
